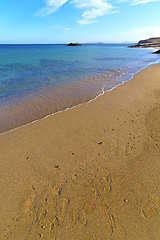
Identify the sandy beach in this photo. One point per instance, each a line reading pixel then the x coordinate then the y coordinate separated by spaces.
pixel 89 173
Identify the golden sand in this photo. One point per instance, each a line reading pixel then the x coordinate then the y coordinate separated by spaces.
pixel 89 173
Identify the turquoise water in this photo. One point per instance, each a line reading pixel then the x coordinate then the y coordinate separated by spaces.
pixel 38 80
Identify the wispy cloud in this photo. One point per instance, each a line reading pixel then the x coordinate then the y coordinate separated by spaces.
pixel 61 28
pixel 51 6
pixel 136 2
pixel 85 21
pixel 92 9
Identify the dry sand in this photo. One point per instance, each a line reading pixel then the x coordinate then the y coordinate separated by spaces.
pixel 90 173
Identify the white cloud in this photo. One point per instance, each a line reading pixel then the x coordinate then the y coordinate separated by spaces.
pixel 85 21
pixel 91 8
pixel 136 2
pixel 90 3
pixel 61 28
pixel 51 6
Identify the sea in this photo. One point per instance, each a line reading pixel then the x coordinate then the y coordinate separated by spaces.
pixel 38 80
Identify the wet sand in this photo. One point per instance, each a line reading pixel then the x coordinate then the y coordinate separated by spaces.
pixel 91 172
pixel 21 110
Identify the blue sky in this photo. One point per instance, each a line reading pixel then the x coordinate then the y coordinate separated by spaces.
pixel 63 21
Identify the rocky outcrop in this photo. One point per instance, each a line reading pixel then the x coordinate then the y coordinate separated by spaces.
pixel 157 52
pixel 150 41
pixel 135 46
pixel 74 44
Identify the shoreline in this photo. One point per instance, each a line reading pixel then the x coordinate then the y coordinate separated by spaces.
pixel 79 104
pixel 88 173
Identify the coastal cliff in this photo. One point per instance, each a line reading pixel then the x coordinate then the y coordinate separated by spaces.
pixel 150 42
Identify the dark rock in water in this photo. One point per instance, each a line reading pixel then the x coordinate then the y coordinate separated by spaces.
pixel 74 44
pixel 135 46
pixel 157 52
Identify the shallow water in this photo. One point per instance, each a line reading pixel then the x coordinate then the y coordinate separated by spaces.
pixel 38 80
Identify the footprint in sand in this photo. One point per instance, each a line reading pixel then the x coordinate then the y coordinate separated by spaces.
pixel 64 209
pixel 42 219
pixel 27 206
pixel 149 210
pixel 75 217
pixel 88 208
pixel 57 205
pixel 102 184
pixel 54 224
pixel 112 222
pixel 78 216
pixel 114 228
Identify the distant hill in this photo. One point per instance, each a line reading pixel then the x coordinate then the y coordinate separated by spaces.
pixel 150 41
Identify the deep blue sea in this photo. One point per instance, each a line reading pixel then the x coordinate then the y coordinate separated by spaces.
pixel 38 80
